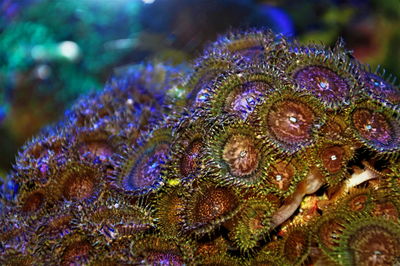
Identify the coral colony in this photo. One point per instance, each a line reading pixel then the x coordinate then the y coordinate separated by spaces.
pixel 265 152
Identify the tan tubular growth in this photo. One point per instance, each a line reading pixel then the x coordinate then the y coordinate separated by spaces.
pixel 360 176
pixel 310 185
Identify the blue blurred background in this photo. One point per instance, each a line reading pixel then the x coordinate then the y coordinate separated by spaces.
pixel 53 51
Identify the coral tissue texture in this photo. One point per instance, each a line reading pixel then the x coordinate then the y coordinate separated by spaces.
pixel 263 152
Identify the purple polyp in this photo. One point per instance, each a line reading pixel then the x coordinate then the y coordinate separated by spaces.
pixel 324 83
pixel 244 101
pixel 252 53
pixel 165 259
pixel 381 89
pixel 146 172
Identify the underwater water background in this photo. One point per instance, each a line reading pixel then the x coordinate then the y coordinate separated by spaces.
pixel 53 51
